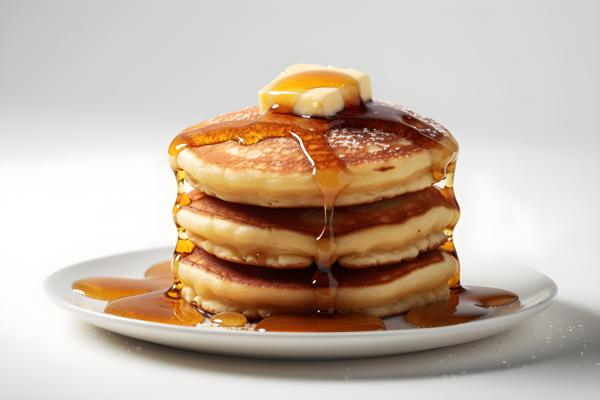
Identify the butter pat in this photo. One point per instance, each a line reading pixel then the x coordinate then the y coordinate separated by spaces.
pixel 323 101
pixel 315 90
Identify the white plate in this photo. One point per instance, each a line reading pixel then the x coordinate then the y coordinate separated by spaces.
pixel 535 291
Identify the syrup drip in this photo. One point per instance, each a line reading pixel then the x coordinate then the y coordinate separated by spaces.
pixel 184 245
pixel 448 192
pixel 229 319
pixel 323 281
pixel 464 304
pixel 321 323
pixel 156 307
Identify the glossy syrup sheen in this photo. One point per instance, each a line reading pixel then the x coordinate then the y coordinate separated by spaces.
pixel 159 270
pixel 156 307
pixel 229 319
pixel 464 304
pixel 108 289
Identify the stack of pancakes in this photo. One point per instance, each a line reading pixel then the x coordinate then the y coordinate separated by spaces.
pixel 255 214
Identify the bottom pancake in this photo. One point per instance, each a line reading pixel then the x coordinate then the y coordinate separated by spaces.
pixel 216 285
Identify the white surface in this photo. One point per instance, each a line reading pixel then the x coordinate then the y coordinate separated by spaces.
pixel 535 292
pixel 91 93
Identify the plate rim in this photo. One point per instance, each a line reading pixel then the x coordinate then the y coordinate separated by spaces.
pixel 482 323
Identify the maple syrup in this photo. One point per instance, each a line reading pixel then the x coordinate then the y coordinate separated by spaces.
pixel 159 270
pixel 108 289
pixel 464 304
pixel 229 319
pixel 156 307
pixel 183 245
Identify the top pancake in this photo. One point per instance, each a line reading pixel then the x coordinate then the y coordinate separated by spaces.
pixel 383 158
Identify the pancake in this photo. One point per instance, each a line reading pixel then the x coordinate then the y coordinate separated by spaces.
pixel 383 160
pixel 381 233
pixel 216 285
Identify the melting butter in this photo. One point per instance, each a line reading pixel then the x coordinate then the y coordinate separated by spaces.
pixel 315 90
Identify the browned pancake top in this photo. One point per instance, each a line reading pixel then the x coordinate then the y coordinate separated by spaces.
pixel 355 140
pixel 302 278
pixel 310 220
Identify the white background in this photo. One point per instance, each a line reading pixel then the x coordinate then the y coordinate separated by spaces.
pixel 92 92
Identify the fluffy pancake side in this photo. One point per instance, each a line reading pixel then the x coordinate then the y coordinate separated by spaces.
pixel 381 233
pixel 275 172
pixel 217 285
